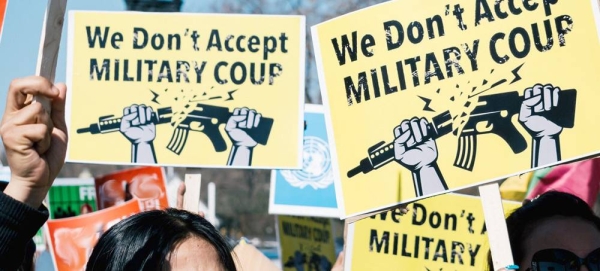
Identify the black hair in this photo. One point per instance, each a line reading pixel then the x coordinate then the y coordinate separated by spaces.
pixel 522 221
pixel 145 241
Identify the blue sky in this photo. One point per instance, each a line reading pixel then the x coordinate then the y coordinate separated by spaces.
pixel 22 30
pixel 21 38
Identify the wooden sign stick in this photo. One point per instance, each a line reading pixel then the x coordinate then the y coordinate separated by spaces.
pixel 348 230
pixel 248 258
pixel 191 199
pixel 49 44
pixel 495 224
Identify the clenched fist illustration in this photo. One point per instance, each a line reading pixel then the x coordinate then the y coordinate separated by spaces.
pixel 413 146
pixel 538 100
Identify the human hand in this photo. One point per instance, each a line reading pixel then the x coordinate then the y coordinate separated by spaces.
pixel 339 263
pixel 403 208
pixel 538 100
pixel 242 120
pixel 509 268
pixel 35 141
pixel 180 196
pixel 137 125
pixel 413 146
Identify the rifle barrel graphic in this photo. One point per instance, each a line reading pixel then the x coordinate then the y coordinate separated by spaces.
pixel 497 111
pixel 209 116
pixel 381 153
pixel 109 124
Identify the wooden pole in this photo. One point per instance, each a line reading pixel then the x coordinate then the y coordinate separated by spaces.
pixel 249 258
pixel 49 44
pixel 193 182
pixel 495 224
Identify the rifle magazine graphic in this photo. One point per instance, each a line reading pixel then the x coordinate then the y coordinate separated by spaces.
pixel 465 155
pixel 178 140
pixel 204 119
pixel 519 91
pixel 495 113
pixel 186 101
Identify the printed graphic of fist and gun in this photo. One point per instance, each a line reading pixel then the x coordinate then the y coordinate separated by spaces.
pixel 245 127
pixel 543 111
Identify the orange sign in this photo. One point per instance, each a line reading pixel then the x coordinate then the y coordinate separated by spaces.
pixel 147 184
pixel 3 7
pixel 72 239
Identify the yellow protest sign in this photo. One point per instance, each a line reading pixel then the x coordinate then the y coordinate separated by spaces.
pixel 455 94
pixel 306 243
pixel 248 257
pixel 211 90
pixel 434 235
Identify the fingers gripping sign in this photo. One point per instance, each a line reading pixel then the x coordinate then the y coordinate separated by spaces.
pixel 180 195
pixel 539 100
pixel 413 146
pixel 35 140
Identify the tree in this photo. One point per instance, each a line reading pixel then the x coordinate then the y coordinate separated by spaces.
pixel 315 11
pixel 243 195
pixel 154 5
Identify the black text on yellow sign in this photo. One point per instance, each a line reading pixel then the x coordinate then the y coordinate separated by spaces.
pixel 451 61
pixel 446 232
pixel 425 247
pixel 140 70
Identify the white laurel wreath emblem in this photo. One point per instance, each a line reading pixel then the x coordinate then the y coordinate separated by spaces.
pixel 316 166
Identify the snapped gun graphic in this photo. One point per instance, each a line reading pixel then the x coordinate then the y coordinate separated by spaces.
pixel 204 118
pixel 493 114
pixel 382 153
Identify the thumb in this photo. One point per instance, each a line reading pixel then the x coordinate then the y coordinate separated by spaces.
pixel 129 117
pixel 58 108
pixel 238 118
pixel 234 120
pixel 526 107
pixel 402 139
pixel 400 142
pixel 339 263
pixel 532 101
pixel 340 259
pixel 180 194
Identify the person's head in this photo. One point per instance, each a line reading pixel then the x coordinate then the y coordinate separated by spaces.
pixel 169 239
pixel 554 227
